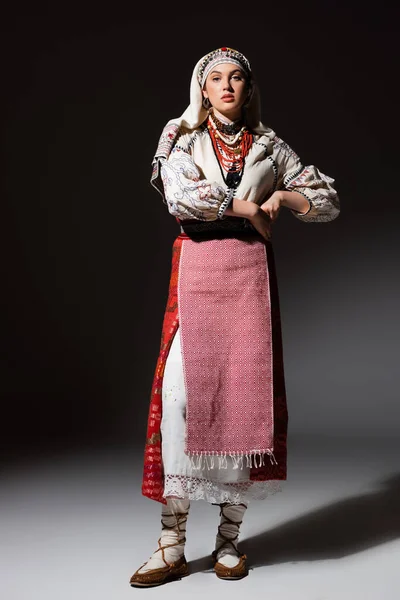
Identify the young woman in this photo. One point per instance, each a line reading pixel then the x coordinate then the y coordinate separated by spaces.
pixel 218 419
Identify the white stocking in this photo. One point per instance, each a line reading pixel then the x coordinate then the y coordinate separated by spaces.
pixel 231 518
pixel 173 518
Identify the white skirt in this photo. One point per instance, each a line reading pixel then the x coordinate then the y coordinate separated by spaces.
pixel 181 479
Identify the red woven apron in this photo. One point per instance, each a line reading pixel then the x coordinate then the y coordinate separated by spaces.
pixel 152 483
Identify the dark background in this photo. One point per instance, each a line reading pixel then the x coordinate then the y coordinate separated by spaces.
pixel 86 241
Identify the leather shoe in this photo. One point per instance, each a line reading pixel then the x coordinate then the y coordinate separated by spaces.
pixel 159 576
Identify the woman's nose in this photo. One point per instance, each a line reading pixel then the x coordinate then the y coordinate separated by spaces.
pixel 227 84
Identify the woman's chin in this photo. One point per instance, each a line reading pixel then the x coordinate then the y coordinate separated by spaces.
pixel 229 111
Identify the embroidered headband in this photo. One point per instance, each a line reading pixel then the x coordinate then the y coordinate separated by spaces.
pixel 221 55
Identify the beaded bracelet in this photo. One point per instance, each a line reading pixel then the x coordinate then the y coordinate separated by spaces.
pixel 226 202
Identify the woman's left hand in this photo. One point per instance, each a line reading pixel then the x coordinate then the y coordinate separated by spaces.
pixel 272 205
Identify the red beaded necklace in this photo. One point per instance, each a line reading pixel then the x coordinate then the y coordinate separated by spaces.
pixel 230 154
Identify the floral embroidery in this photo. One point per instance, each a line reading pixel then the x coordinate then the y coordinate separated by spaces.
pixel 187 195
pixel 204 191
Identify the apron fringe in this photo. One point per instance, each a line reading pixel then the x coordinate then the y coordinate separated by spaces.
pixel 207 460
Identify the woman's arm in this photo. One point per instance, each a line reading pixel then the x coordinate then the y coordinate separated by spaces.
pixel 242 208
pixel 320 199
pixel 188 194
pixel 251 211
pixel 295 201
pixel 292 200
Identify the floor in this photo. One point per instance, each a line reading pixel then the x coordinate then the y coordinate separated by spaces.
pixel 75 526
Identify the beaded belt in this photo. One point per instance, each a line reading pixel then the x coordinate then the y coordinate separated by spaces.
pixel 229 224
pixel 221 228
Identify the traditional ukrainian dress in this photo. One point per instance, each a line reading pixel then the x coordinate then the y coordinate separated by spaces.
pixel 188 175
pixel 196 195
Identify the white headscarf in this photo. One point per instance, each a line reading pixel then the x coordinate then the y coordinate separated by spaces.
pixel 195 114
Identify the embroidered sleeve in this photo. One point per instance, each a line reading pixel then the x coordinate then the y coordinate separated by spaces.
pixel 188 195
pixel 315 186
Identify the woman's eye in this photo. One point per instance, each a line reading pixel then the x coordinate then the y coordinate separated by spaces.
pixel 215 78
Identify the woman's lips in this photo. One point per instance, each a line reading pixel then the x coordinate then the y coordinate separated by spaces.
pixel 227 98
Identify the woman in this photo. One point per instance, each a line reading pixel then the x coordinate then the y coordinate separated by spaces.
pixel 218 419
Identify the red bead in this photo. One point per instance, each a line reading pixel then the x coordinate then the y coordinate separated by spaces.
pixel 224 49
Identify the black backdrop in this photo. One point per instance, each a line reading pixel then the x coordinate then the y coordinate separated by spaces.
pixel 86 241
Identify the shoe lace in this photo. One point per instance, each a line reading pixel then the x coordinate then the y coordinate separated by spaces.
pixel 228 541
pixel 181 518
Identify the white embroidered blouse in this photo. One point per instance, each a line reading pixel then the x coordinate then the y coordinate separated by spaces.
pixel 195 189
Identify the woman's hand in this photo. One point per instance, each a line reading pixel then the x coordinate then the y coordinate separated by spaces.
pixel 266 214
pixel 273 205
pixel 262 223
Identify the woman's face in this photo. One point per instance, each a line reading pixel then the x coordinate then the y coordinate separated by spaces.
pixel 226 88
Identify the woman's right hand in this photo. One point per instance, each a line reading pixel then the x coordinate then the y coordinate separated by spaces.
pixel 261 221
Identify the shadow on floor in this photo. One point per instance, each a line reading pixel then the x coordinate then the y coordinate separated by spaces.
pixel 340 529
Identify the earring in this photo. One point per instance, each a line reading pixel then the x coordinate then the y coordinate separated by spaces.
pixel 206 103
